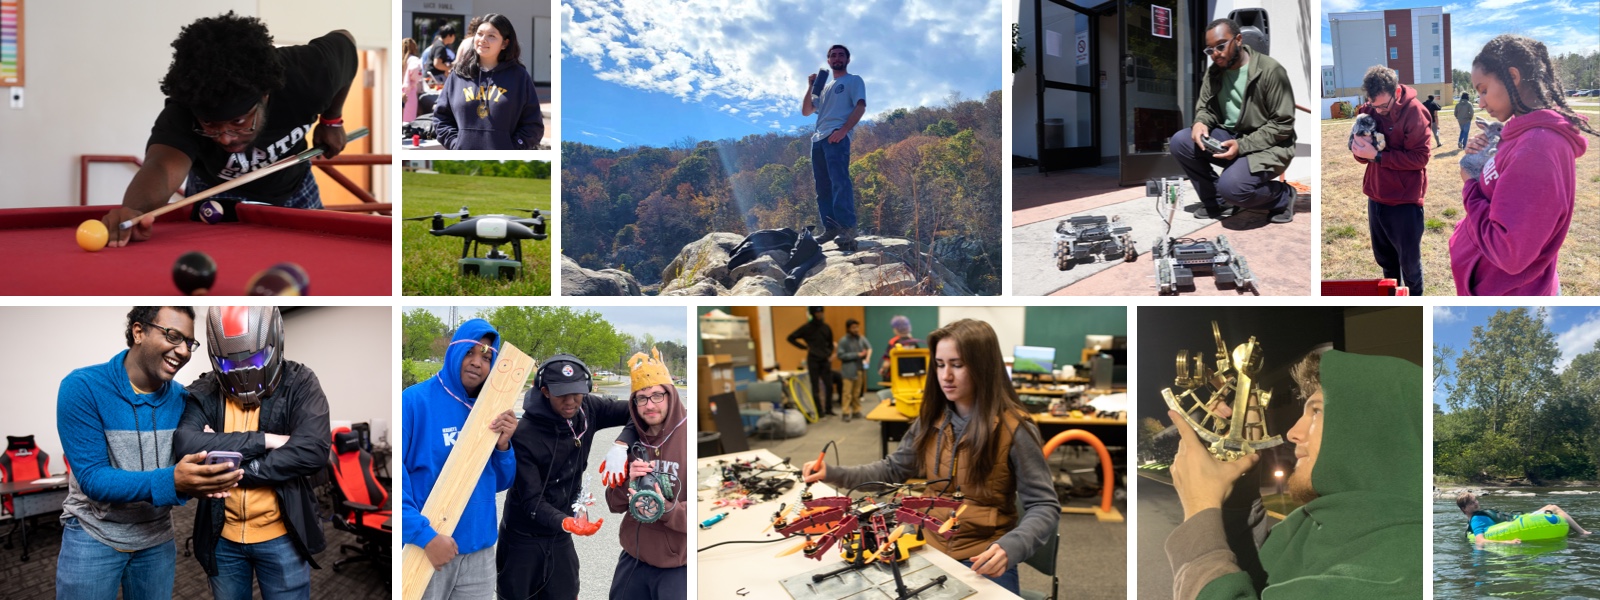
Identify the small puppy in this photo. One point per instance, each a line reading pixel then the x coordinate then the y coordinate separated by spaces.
pixel 1473 163
pixel 1367 126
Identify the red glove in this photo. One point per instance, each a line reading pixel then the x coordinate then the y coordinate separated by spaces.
pixel 581 525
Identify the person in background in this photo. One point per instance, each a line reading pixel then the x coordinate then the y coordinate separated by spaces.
pixel 854 351
pixel 816 338
pixel 436 60
pixel 1464 118
pixel 901 339
pixel 410 79
pixel 1433 118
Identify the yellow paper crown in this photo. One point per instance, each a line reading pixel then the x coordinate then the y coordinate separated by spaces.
pixel 646 371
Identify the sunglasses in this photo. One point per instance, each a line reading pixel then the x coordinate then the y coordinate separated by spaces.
pixel 1211 50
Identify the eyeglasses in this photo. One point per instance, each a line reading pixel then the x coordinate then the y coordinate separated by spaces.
pixel 255 124
pixel 656 398
pixel 1384 107
pixel 1210 50
pixel 175 338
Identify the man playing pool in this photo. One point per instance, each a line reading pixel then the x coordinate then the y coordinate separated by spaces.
pixel 236 104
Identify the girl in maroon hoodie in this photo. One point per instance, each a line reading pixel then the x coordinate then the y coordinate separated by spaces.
pixel 1519 208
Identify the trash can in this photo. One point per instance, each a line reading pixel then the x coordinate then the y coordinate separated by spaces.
pixel 1055 134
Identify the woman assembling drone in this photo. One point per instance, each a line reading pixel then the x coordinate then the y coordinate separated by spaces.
pixel 982 445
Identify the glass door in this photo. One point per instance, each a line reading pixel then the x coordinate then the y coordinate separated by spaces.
pixel 1150 67
pixel 1068 122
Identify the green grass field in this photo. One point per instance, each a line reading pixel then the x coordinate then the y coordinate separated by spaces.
pixel 428 265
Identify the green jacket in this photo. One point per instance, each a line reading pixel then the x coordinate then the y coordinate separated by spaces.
pixel 1266 122
pixel 1362 538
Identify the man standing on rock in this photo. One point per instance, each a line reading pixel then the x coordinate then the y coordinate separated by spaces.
pixel 838 107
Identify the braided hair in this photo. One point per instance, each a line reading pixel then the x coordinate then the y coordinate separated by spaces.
pixel 1532 61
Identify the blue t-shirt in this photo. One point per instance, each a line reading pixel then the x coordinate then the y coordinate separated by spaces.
pixel 835 103
pixel 1480 524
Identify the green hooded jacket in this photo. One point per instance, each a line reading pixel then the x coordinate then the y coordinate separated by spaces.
pixel 1363 536
pixel 1266 122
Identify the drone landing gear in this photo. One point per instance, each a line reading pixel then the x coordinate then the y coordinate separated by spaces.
pixel 494 265
pixel 914 578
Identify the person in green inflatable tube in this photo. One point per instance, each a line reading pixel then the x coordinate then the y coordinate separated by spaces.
pixel 1359 531
pixel 1479 520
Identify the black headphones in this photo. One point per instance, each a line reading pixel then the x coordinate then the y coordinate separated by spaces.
pixel 538 379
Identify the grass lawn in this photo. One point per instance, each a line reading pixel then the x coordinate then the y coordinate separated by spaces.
pixel 1347 248
pixel 429 266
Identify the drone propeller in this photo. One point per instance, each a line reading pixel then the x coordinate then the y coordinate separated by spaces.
pixel 536 212
pixel 952 521
pixel 899 530
pixel 795 549
pixel 453 215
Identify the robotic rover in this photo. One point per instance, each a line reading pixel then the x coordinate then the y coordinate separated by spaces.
pixel 1178 259
pixel 1088 238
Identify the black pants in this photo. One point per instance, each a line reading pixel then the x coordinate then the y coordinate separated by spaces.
pixel 635 578
pixel 1397 241
pixel 536 567
pixel 1237 185
pixel 821 383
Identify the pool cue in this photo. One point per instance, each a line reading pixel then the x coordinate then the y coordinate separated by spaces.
pixel 247 178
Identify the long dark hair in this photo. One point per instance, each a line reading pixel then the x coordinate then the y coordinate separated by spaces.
pixel 1532 61
pixel 467 65
pixel 993 397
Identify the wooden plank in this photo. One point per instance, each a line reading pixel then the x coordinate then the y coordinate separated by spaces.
pixel 467 460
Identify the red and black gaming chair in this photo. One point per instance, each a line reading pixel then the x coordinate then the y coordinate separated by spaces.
pixel 361 505
pixel 23 461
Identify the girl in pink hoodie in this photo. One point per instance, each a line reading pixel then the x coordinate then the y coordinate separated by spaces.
pixel 1519 208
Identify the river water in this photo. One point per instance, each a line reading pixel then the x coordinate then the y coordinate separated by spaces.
pixel 1548 570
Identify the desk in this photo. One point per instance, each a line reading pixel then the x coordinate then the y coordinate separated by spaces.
pixel 756 569
pixel 29 499
pixel 1112 432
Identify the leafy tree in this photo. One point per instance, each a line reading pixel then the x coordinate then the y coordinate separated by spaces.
pixel 419 329
pixel 544 331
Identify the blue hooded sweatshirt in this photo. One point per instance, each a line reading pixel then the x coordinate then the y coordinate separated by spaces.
pixel 119 443
pixel 433 419
pixel 497 109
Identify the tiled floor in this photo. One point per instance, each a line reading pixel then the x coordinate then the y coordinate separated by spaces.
pixel 36 579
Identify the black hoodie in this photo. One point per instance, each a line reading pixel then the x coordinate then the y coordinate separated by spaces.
pixel 496 110
pixel 550 467
pixel 297 409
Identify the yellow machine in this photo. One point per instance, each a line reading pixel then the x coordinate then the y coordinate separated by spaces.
pixel 908 374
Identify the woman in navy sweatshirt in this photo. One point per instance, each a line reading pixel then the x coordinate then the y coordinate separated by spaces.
pixel 488 102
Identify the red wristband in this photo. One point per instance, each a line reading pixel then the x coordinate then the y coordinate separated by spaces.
pixel 333 121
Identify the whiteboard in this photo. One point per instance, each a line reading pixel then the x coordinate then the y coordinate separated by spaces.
pixel 1008 321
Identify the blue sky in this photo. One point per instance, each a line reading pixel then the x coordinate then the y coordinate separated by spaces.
pixel 1577 328
pixel 1563 25
pixel 665 323
pixel 652 72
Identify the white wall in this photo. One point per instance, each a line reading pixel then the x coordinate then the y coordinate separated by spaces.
pixel 1358 44
pixel 349 348
pixel 94 70
pixel 1008 321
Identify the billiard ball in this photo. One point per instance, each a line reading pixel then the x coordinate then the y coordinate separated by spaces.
pixel 194 273
pixel 92 235
pixel 272 281
pixel 211 212
pixel 298 273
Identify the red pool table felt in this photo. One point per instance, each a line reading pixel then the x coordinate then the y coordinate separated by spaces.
pixel 345 254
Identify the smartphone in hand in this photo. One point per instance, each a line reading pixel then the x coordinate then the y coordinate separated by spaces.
pixel 217 457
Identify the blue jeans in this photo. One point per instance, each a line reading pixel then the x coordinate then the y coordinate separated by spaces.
pixel 87 569
pixel 1009 580
pixel 1466 128
pixel 830 164
pixel 274 563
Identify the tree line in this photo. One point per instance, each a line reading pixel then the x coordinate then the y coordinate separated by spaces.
pixel 1512 413
pixel 494 168
pixel 539 331
pixel 924 173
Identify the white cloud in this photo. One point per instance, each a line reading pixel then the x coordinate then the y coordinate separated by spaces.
pixel 754 56
pixel 1578 339
pixel 1447 315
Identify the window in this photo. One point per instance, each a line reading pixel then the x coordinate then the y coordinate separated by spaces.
pixel 1435 25
pixel 1394 53
pixel 1391 30
pixel 1435 49
pixel 1436 76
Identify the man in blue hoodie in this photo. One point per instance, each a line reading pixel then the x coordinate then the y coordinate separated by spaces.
pixel 434 412
pixel 116 421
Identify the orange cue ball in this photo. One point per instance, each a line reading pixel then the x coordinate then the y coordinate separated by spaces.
pixel 92 235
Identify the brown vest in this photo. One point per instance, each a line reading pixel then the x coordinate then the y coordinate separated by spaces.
pixel 991 508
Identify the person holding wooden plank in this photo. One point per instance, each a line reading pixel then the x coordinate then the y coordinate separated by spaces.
pixel 654 558
pixel 434 413
pixel 536 555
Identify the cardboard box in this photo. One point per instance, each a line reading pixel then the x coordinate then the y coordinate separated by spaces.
pixel 741 350
pixel 715 377
pixel 724 328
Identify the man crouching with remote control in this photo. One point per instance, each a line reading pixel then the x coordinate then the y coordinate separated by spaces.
pixel 1245 110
